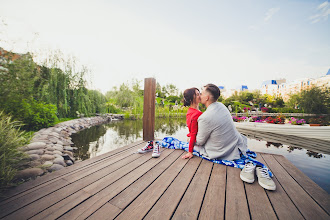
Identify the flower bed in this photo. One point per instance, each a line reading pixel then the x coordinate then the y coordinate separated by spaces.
pixel 296 121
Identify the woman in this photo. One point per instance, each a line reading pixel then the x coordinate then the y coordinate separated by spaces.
pixel 191 98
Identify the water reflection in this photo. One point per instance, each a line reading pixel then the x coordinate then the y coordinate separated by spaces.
pixel 106 137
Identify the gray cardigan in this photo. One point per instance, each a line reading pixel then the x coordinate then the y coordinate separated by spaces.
pixel 217 137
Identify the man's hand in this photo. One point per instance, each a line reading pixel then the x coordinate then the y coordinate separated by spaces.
pixel 187 155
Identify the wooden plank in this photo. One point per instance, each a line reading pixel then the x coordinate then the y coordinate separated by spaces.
pixel 236 204
pixel 130 193
pixel 103 212
pixel 90 206
pixel 151 162
pixel 192 200
pixel 214 201
pixel 281 202
pixel 314 190
pixel 44 190
pixel 168 202
pixel 140 206
pixel 259 204
pixel 306 205
pixel 116 171
pixel 16 192
pixel 62 207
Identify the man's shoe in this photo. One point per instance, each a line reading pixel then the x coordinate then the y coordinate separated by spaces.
pixel 247 173
pixel 264 179
pixel 149 147
pixel 156 151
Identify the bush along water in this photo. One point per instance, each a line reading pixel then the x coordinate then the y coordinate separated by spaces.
pixel 11 138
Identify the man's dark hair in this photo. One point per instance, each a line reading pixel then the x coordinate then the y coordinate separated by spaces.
pixel 189 95
pixel 214 90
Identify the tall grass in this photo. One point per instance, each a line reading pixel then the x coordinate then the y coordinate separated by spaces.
pixel 11 138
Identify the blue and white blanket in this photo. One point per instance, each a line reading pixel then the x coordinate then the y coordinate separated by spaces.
pixel 173 143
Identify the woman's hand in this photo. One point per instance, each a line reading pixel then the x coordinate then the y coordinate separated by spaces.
pixel 188 139
pixel 187 155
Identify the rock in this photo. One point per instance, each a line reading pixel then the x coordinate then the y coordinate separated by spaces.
pixel 48 163
pixel 57 152
pixel 59 161
pixel 58 148
pixel 50 148
pixel 55 167
pixel 49 152
pixel 55 134
pixel 58 156
pixel 40 137
pixel 60 142
pixel 68 162
pixel 66 142
pixel 34 157
pixel 47 157
pixel 58 145
pixel 67 157
pixel 35 163
pixel 53 140
pixel 29 173
pixel 40 152
pixel 68 148
pixel 68 152
pixel 35 146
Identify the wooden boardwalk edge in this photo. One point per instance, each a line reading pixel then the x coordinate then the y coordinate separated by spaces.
pixel 48 178
pixel 124 185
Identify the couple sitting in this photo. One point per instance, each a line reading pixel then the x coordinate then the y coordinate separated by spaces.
pixel 213 136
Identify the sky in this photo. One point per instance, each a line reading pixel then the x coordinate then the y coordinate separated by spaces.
pixel 187 43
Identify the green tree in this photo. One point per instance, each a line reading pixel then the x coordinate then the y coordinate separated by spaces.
pixel 315 100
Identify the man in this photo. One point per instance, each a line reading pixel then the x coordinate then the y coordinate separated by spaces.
pixel 217 137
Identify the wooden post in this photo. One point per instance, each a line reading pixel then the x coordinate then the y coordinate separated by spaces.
pixel 149 109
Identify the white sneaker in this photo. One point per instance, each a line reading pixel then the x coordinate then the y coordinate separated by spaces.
pixel 149 147
pixel 156 151
pixel 247 173
pixel 264 179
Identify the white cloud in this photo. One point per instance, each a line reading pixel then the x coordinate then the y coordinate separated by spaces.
pixel 270 13
pixel 323 11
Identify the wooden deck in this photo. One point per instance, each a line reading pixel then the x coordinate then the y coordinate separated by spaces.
pixel 124 185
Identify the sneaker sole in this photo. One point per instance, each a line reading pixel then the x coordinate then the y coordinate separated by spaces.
pixel 267 187
pixel 245 179
pixel 145 151
pixel 157 155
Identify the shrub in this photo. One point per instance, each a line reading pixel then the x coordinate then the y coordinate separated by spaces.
pixel 36 115
pixel 10 139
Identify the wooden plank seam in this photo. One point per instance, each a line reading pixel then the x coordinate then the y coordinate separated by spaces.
pixel 70 184
pixel 185 190
pixel 133 183
pixel 205 191
pixel 303 187
pixel 65 174
pixel 283 189
pixel 159 196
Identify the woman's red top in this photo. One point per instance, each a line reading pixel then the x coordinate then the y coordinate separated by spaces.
pixel 192 116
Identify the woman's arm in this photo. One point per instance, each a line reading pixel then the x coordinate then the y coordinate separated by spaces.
pixel 193 134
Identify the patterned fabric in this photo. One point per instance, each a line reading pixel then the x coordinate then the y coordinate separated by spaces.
pixel 173 143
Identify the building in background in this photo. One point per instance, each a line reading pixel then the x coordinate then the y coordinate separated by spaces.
pixel 280 88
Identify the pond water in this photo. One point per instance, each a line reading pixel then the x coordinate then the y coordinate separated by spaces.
pixel 103 138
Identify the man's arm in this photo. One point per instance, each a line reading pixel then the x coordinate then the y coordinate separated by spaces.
pixel 204 131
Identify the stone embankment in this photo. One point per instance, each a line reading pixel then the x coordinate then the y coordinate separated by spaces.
pixel 50 148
